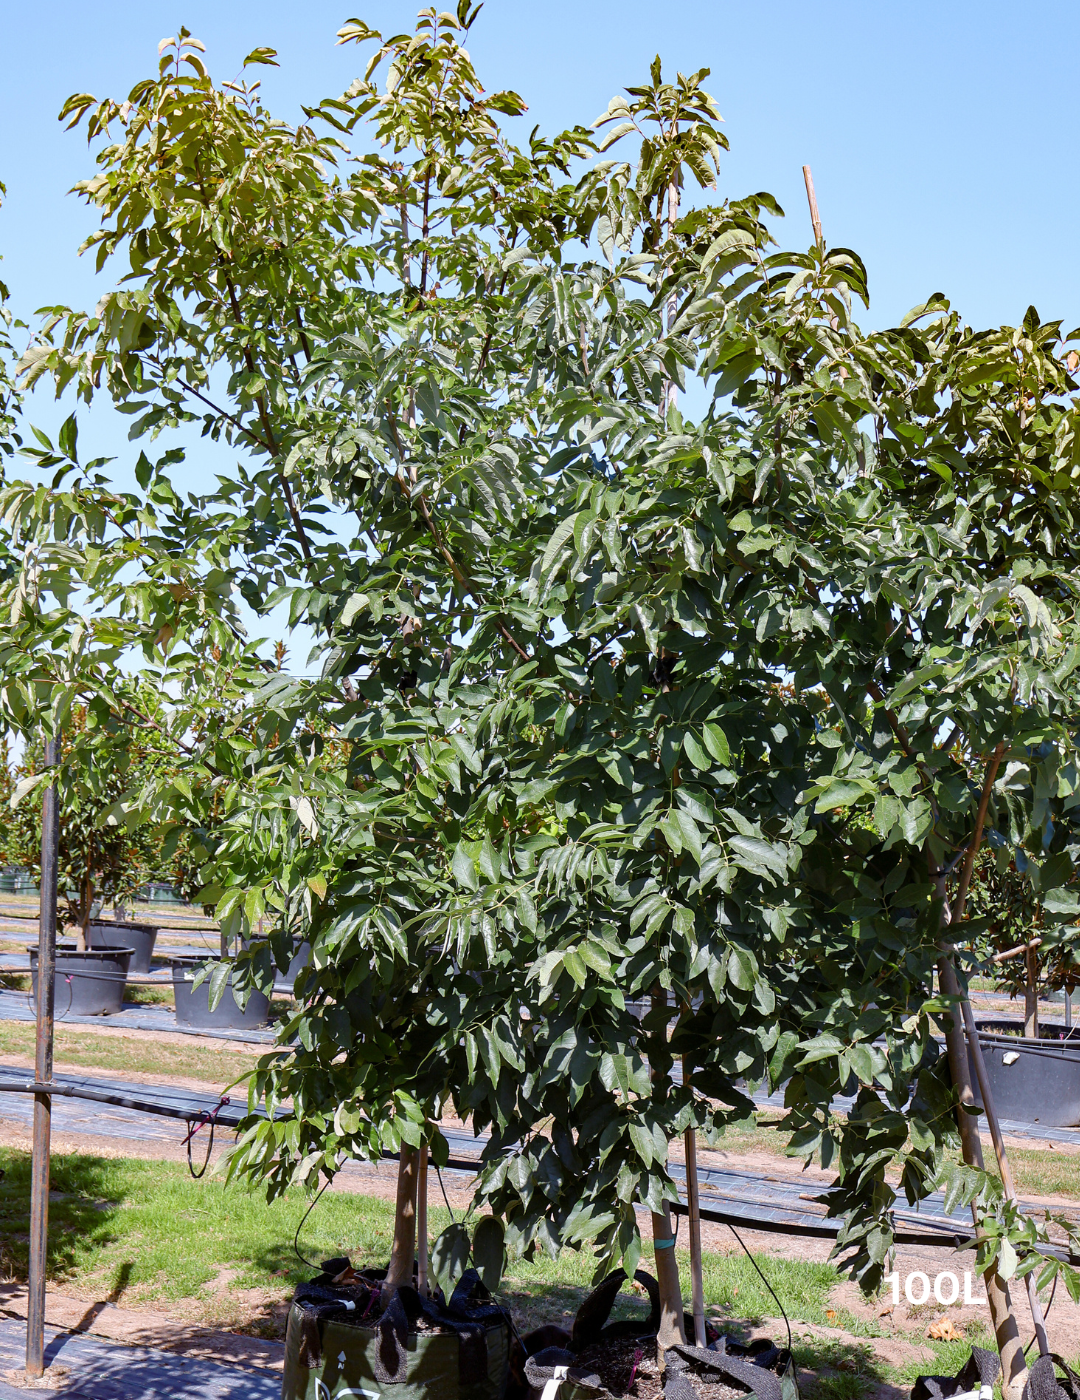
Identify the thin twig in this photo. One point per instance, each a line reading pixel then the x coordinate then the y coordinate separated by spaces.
pixel 976 839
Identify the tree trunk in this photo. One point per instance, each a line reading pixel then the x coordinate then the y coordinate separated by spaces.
pixel 667 1268
pixel 667 1276
pixel 1006 1333
pixel 403 1254
pixel 1031 995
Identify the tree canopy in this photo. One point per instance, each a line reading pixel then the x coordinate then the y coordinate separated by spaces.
pixel 711 706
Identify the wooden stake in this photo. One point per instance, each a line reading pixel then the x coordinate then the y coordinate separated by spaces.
pixel 421 1222
pixel 815 217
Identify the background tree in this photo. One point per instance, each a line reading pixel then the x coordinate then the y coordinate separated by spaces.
pixel 1009 907
pixel 105 855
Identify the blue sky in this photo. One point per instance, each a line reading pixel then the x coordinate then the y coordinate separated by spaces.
pixel 941 135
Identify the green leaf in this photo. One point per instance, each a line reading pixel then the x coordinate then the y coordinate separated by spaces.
pixel 695 753
pixel 464 869
pixel 489 1252
pixel 757 856
pixel 219 981
pixel 450 1256
pixel 717 744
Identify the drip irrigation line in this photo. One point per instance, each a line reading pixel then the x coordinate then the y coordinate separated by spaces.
pixel 445 1197
pixel 303 1221
pixel 207 1116
pixel 766 1282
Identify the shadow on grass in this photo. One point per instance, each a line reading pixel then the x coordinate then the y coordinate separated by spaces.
pixel 840 1370
pixel 80 1211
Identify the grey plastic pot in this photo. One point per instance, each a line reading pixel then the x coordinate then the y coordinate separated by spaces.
pixel 193 1003
pixel 85 984
pixel 1032 1081
pixel 141 937
pixel 301 958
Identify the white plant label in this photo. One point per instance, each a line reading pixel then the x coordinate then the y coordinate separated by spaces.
pixel 945 1288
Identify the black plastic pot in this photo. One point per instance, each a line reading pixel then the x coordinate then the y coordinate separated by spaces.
pixel 1032 1081
pixel 141 937
pixel 86 984
pixel 1048 1030
pixel 193 1003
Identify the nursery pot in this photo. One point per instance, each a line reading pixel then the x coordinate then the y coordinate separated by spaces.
pixel 300 960
pixel 1032 1081
pixel 86 984
pixel 141 937
pixel 193 1003
pixel 327 1358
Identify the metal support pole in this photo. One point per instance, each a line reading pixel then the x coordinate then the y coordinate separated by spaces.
pixel 1068 1011
pixel 43 1068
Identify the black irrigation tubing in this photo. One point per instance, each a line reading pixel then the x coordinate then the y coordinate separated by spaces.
pixel 228 1116
pixel 192 1113
pixel 942 1237
pixel 769 1286
pixel 162 980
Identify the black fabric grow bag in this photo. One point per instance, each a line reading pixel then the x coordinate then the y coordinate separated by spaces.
pixel 338 1343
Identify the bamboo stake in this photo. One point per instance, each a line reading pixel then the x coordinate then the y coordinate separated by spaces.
pixel 43 1070
pixel 693 1201
pixel 421 1222
pixel 671 1328
pixel 1037 1316
pixel 815 217
pixel 670 393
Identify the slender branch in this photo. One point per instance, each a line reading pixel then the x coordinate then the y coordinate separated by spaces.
pixel 237 423
pixel 1015 952
pixel 902 737
pixel 976 839
pixel 304 343
pixel 272 445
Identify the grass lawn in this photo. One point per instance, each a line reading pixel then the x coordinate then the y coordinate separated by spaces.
pixel 122 1054
pixel 145 1232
